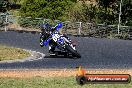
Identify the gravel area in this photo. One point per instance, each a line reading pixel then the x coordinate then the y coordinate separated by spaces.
pixel 26 73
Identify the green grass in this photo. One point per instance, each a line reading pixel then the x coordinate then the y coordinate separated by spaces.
pixel 10 53
pixel 59 82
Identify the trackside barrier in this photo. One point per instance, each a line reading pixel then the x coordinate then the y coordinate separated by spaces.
pixel 4 21
pixel 71 28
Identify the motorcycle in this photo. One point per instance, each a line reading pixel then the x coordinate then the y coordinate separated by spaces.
pixel 63 43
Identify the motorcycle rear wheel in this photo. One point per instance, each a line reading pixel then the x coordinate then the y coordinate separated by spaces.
pixel 74 52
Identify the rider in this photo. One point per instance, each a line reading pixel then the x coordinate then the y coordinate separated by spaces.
pixel 46 29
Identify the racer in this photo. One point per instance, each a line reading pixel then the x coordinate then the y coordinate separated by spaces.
pixel 46 30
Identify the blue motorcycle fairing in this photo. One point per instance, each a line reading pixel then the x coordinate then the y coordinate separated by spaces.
pixel 60 40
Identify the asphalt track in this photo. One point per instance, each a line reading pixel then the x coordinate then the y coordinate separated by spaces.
pixel 96 53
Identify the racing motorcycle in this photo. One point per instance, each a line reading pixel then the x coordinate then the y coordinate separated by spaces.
pixel 63 43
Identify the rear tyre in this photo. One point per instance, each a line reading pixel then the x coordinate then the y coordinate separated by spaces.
pixel 74 53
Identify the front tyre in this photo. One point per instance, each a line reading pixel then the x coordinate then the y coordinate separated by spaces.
pixel 74 52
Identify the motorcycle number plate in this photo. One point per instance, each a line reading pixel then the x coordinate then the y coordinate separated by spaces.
pixel 55 37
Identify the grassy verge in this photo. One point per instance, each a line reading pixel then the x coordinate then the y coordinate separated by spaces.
pixel 10 53
pixel 59 82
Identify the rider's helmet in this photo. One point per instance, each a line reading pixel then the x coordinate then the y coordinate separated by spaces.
pixel 45 27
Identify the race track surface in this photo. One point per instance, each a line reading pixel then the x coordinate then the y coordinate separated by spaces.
pixel 96 53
